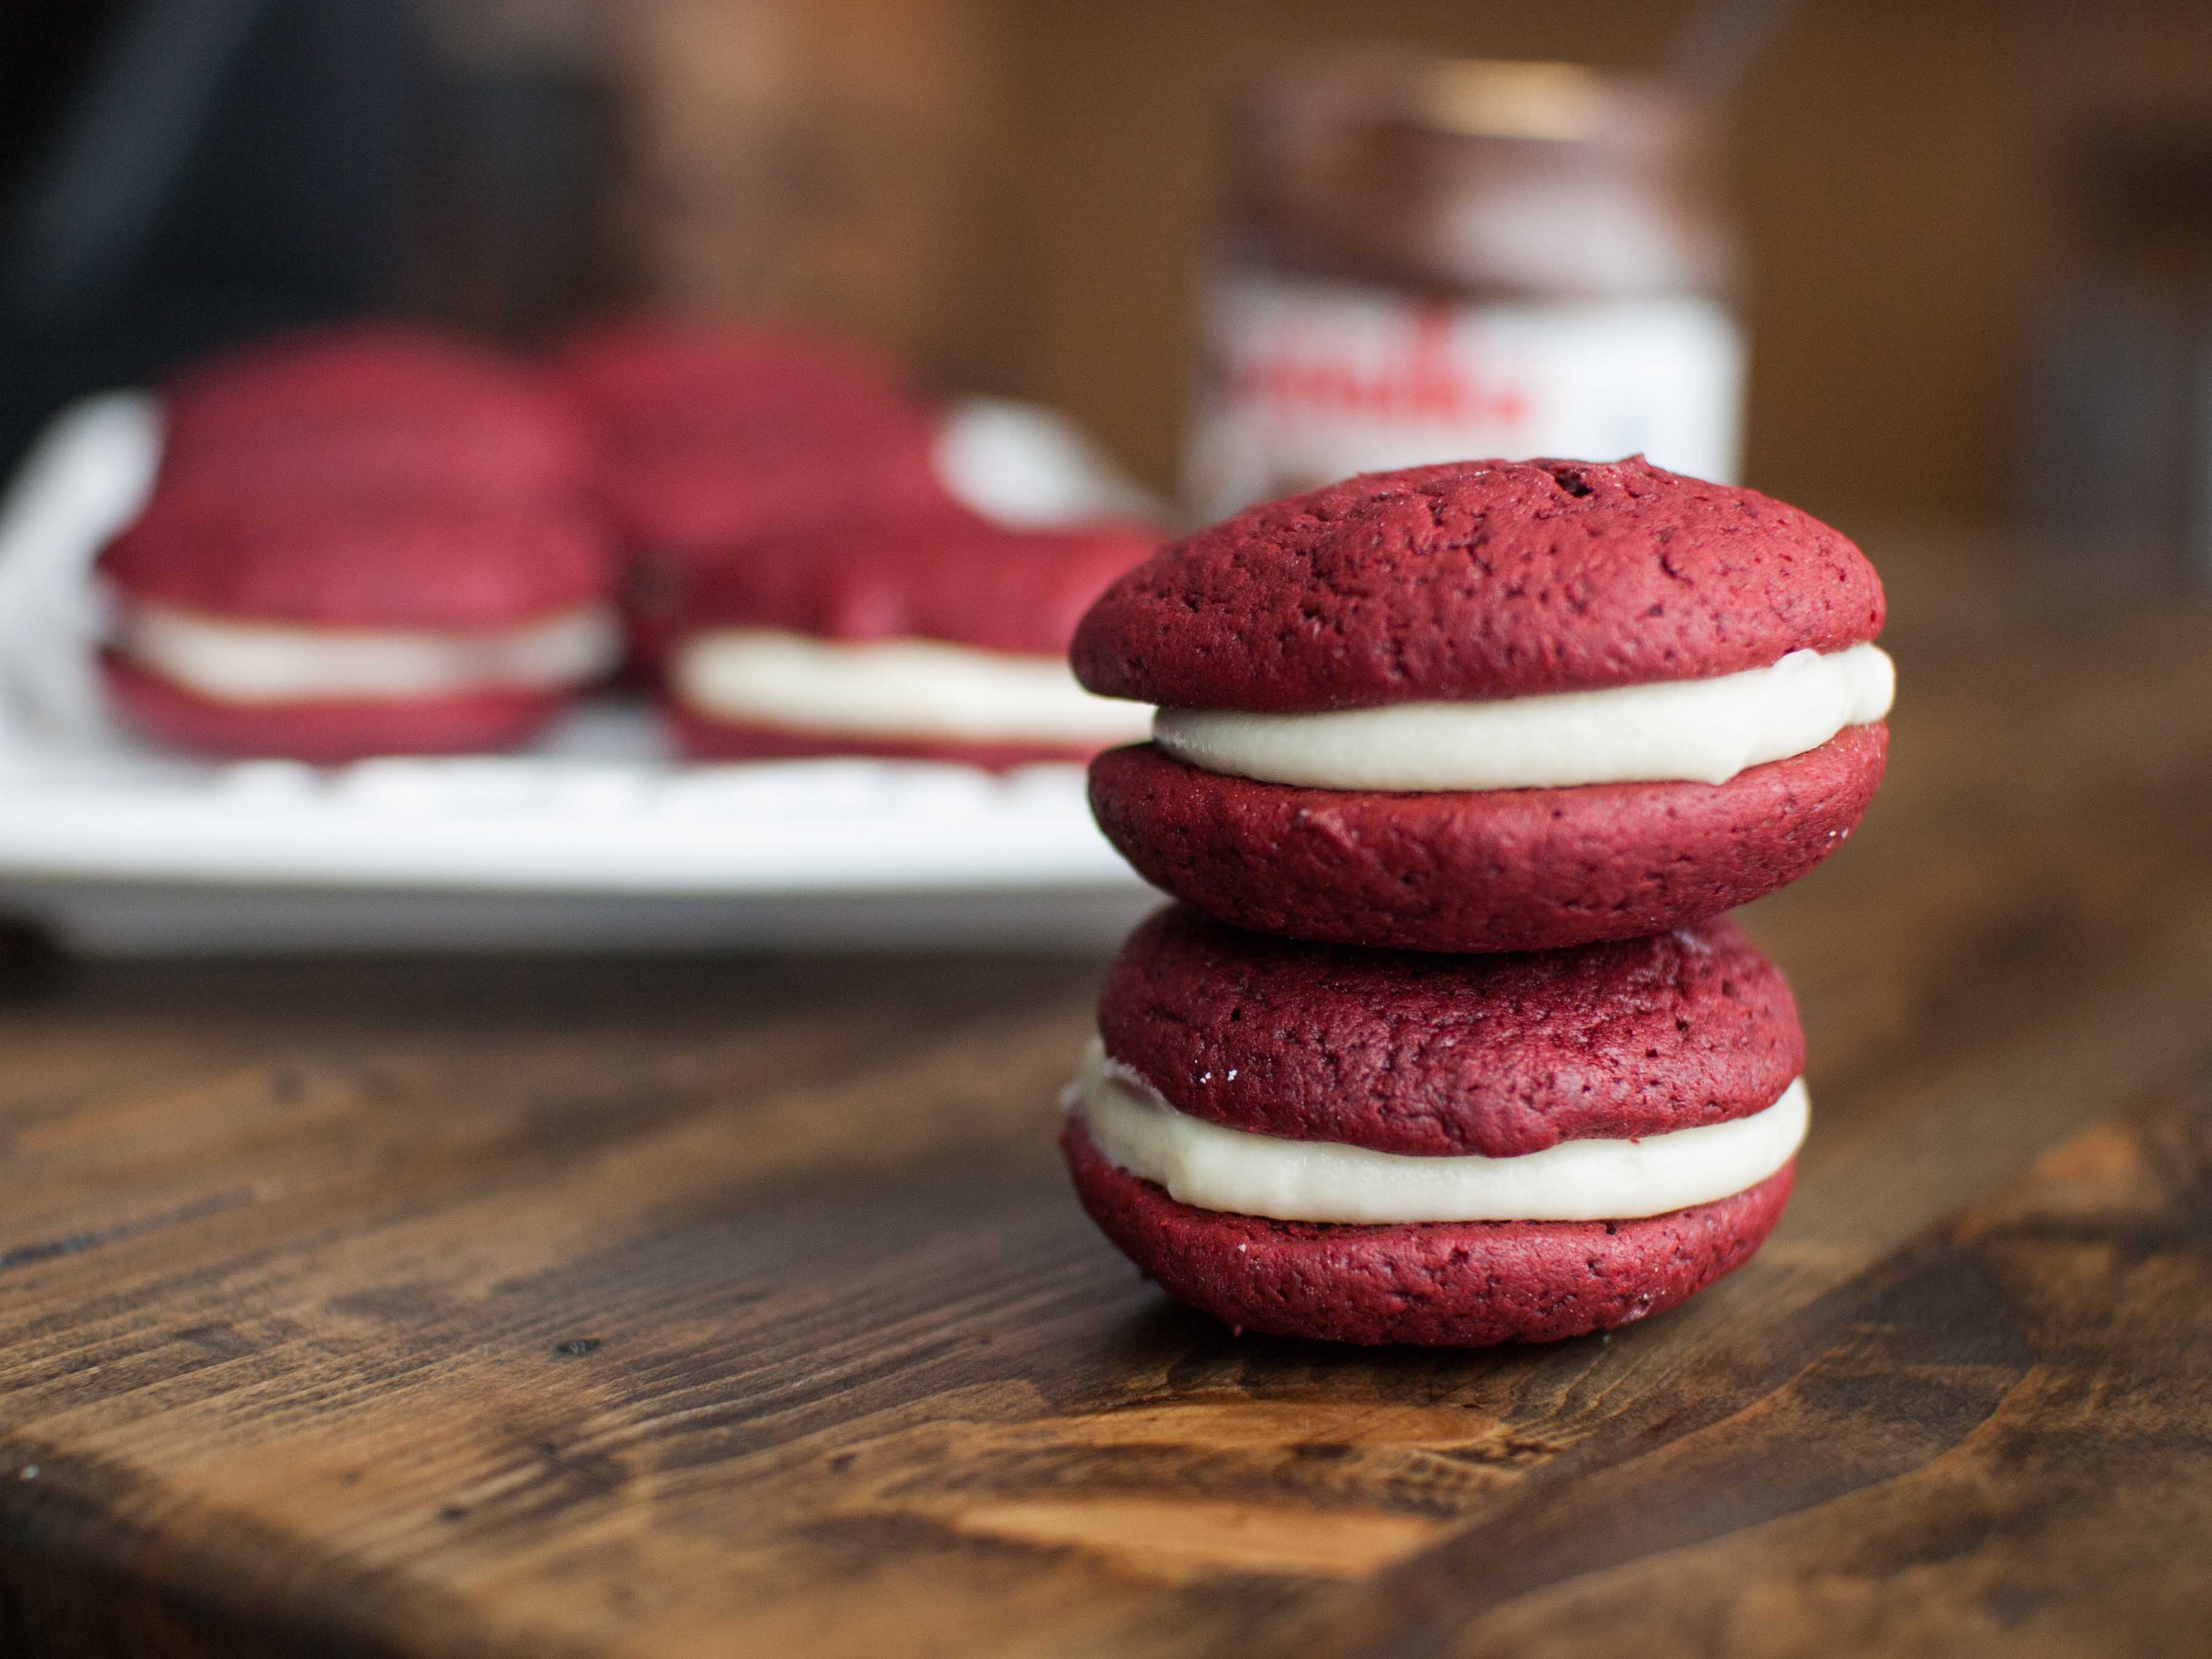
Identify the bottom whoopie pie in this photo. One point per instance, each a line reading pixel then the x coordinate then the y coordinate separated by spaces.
pixel 931 636
pixel 331 629
pixel 1385 1147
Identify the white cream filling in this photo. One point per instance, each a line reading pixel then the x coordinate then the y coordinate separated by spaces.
pixel 251 663
pixel 1695 731
pixel 1212 1168
pixel 895 688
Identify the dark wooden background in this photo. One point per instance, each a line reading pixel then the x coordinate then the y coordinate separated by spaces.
pixel 738 1306
pixel 1019 195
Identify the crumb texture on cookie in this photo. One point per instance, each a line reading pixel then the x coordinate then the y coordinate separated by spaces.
pixel 1474 581
pixel 1438 1055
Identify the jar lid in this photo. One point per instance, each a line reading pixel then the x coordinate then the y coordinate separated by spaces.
pixel 1554 178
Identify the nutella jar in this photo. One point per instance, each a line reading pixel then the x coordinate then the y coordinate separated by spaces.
pixel 1430 260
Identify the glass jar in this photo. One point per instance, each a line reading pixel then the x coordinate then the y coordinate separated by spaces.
pixel 1432 261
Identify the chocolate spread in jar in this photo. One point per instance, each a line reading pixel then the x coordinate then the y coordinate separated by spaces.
pixel 1430 260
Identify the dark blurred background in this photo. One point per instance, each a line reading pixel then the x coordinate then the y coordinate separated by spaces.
pixel 1980 232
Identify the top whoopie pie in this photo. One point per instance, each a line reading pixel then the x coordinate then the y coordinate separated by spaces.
pixel 718 433
pixel 374 408
pixel 1492 705
pixel 715 431
pixel 327 627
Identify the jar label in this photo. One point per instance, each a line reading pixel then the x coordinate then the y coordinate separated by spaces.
pixel 1304 382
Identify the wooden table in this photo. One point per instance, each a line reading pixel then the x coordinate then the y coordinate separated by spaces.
pixel 739 1306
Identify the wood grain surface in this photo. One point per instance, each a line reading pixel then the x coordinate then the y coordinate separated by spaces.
pixel 738 1306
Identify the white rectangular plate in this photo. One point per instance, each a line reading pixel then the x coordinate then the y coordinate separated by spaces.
pixel 593 838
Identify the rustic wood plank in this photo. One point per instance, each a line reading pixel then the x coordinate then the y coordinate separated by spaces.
pixel 740 1304
pixel 1994 1442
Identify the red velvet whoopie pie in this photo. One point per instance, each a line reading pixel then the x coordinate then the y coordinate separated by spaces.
pixel 1493 706
pixel 1376 1146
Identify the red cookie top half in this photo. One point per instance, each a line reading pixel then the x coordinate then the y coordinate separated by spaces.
pixel 1430 1055
pixel 950 575
pixel 406 562
pixel 1475 580
pixel 717 430
pixel 375 408
pixel 651 382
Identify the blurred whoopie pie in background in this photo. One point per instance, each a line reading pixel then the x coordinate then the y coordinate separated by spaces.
pixel 717 433
pixel 939 635
pixel 327 627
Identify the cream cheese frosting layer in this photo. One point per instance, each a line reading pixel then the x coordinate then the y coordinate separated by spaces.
pixel 1689 731
pixel 1212 1168
pixel 253 663
pixel 895 688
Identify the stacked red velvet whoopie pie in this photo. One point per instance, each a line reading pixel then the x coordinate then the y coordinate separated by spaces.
pixel 371 539
pixel 1455 771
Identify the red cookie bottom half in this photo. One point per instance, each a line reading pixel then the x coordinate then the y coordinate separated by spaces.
pixel 701 737
pixel 1496 870
pixel 1440 1283
pixel 325 732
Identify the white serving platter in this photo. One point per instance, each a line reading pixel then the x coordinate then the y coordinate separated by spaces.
pixel 592 839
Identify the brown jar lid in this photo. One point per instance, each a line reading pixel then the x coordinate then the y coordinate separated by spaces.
pixel 1551 179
